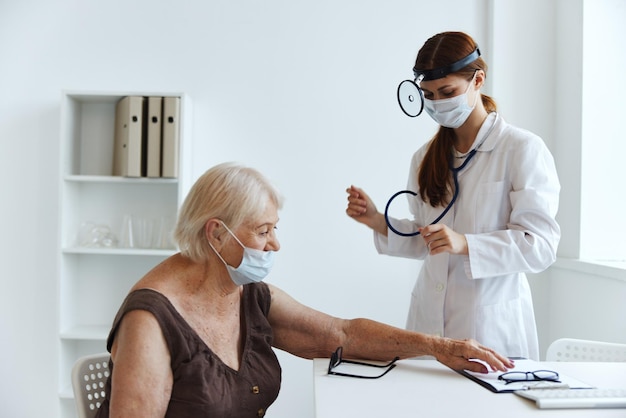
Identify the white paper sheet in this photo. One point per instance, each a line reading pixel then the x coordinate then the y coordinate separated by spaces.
pixel 491 382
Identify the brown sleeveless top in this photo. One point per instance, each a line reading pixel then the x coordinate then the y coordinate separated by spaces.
pixel 203 385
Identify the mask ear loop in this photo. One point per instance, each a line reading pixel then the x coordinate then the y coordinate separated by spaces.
pixel 213 248
pixel 208 240
pixel 236 239
pixel 477 90
pixel 232 234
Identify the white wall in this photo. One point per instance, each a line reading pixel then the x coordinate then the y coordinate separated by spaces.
pixel 523 93
pixel 585 300
pixel 303 91
pixel 604 147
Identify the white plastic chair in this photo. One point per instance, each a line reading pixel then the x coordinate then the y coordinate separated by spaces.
pixel 571 349
pixel 89 376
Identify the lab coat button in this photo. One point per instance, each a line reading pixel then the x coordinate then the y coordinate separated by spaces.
pixel 439 287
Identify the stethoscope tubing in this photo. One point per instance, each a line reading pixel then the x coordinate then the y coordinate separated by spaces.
pixel 455 177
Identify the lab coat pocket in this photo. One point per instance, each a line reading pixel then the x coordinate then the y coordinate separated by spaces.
pixel 501 327
pixel 493 207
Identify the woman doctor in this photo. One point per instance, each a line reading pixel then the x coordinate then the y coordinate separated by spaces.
pixel 501 223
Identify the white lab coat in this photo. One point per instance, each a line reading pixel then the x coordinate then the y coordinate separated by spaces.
pixel 508 199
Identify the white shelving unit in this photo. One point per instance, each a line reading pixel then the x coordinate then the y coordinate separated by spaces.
pixel 93 281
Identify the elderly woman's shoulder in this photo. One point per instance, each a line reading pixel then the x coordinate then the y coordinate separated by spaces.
pixel 167 274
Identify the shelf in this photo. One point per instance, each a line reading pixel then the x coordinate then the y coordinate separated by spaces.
pixel 97 207
pixel 66 393
pixel 120 251
pixel 79 178
pixel 86 332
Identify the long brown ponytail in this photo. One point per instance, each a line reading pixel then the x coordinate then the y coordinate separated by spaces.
pixel 434 176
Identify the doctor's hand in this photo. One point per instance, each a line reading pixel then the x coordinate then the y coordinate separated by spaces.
pixel 362 209
pixel 439 238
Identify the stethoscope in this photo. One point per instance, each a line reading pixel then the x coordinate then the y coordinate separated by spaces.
pixel 455 177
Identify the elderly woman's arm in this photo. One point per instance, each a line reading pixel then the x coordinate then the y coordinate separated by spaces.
pixel 308 333
pixel 142 377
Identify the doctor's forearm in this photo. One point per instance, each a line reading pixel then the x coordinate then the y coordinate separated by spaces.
pixel 379 224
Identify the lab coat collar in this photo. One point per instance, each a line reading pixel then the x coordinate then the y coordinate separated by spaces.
pixel 489 132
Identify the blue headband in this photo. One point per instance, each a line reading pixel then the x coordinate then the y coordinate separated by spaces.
pixel 441 72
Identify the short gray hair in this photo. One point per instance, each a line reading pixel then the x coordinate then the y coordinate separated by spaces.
pixel 230 192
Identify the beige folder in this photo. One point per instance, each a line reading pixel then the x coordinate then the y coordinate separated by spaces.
pixel 171 134
pixel 153 127
pixel 127 153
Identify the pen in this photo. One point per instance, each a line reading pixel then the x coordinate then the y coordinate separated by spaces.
pixel 544 385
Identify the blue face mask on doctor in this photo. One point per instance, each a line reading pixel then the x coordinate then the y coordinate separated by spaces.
pixel 254 267
pixel 452 112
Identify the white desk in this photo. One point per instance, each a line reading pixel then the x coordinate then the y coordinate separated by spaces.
pixel 428 389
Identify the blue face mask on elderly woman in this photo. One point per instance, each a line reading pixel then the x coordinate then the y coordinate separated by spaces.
pixel 255 264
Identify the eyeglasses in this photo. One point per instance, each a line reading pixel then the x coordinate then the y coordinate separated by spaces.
pixel 336 359
pixel 537 375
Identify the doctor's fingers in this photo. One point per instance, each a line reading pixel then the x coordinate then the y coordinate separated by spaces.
pixel 438 245
pixel 450 241
pixel 356 206
pixel 439 238
pixel 431 234
pixel 360 202
pixel 355 211
pixel 357 193
pixel 433 229
pixel 453 244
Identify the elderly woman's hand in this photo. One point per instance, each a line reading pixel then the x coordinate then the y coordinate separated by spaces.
pixel 461 355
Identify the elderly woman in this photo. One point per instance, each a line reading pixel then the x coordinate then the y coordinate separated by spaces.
pixel 195 336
